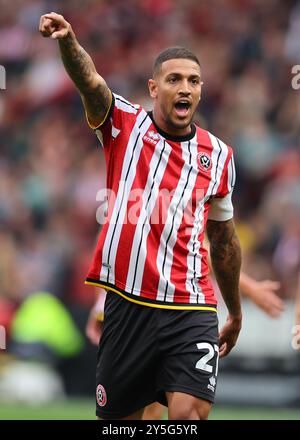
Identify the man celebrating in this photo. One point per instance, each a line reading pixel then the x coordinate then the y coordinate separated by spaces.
pixel 160 338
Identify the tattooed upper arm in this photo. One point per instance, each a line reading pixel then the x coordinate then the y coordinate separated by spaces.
pixel 97 101
pixel 93 89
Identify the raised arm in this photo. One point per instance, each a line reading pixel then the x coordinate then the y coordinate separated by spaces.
pixel 225 255
pixel 94 91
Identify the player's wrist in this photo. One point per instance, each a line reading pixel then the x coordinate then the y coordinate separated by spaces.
pixel 69 36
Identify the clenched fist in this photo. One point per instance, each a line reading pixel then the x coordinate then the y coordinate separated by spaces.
pixel 54 26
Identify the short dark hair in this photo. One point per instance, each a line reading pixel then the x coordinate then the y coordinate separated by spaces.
pixel 173 53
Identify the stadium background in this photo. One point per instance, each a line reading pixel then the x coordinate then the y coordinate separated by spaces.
pixel 51 168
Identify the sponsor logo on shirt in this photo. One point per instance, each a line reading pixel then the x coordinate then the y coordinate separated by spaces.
pixel 151 137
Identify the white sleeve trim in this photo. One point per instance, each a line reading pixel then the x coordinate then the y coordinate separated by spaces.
pixel 124 105
pixel 221 208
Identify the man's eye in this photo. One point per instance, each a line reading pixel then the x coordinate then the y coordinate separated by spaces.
pixel 195 81
pixel 172 80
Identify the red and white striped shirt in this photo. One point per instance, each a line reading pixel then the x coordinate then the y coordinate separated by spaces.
pixel 163 189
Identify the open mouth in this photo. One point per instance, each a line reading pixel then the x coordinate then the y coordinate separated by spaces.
pixel 182 108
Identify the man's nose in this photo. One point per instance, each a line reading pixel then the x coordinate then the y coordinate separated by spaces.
pixel 184 88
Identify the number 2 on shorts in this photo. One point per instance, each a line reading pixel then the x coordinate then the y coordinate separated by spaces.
pixel 202 363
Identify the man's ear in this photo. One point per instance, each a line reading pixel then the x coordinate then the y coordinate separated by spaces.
pixel 201 91
pixel 152 88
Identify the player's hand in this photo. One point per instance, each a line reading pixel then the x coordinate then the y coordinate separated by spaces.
pixel 93 329
pixel 229 334
pixel 54 26
pixel 263 294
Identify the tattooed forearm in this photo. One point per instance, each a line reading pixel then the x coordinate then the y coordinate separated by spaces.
pixel 94 92
pixel 225 254
pixel 77 62
pixel 81 69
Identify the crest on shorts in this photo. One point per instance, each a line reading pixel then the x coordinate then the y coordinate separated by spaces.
pixel 204 161
pixel 101 395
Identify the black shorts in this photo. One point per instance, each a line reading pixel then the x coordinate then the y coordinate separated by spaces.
pixel 146 351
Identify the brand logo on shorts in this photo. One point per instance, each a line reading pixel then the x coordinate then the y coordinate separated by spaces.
pixel 212 384
pixel 101 395
pixel 204 162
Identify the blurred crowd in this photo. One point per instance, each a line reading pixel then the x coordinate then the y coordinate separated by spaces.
pixel 51 166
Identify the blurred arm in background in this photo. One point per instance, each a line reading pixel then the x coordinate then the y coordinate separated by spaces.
pixel 263 294
pixel 94 324
pixel 298 303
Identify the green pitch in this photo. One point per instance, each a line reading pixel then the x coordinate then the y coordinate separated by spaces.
pixel 83 409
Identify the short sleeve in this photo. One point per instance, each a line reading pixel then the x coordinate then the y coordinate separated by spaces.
pixel 228 178
pixel 221 208
pixel 120 114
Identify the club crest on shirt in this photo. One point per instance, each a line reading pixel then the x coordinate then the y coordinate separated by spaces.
pixel 101 395
pixel 204 161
